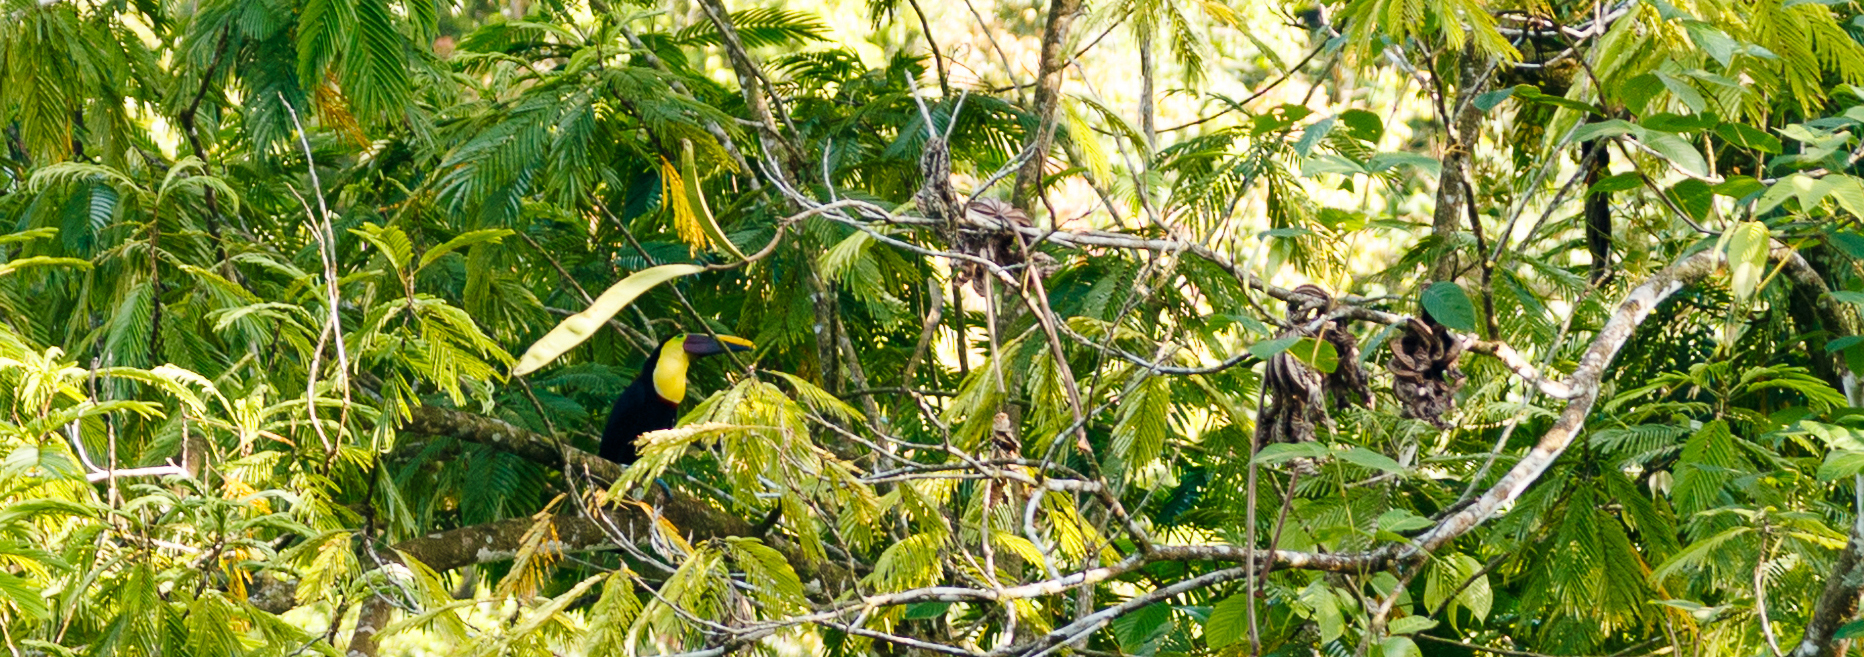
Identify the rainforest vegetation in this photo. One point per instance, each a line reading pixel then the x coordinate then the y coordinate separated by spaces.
pixel 1032 328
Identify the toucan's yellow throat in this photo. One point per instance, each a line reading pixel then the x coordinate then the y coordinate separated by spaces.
pixel 676 356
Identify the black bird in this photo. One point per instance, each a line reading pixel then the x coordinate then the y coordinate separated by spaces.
pixel 652 401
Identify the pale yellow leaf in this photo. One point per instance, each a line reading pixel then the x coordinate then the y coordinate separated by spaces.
pixel 577 328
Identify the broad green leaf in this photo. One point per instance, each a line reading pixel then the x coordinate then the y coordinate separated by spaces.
pixel 1363 457
pixel 1746 136
pixel 1267 349
pixel 1410 625
pixel 1607 128
pixel 1738 187
pixel 1616 183
pixel 1449 305
pixel 1694 197
pixel 577 328
pixel 1330 163
pixel 1712 41
pixel 1840 464
pixel 1851 243
pixel 1387 161
pixel 1678 151
pixel 1847 191
pixel 1747 258
pixel 1684 92
pixel 1488 101
pixel 1312 136
pixel 1318 354
pixel 1401 520
pixel 1279 452
pixel 924 610
pixel 1851 630
pixel 1848 296
pixel 1363 125
pixel 1228 622
pixel 1139 628
pixel 1677 123
pixel 1399 646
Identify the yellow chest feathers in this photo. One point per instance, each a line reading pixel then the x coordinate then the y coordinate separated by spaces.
pixel 670 371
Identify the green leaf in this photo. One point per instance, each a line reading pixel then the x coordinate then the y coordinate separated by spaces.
pixel 1678 151
pixel 1387 161
pixel 1849 297
pixel 1848 191
pixel 1279 452
pixel 1330 163
pixel 1363 457
pixel 464 240
pixel 24 597
pixel 1685 92
pixel 1267 349
pixel 1616 183
pixel 28 235
pixel 1410 625
pixel 1488 101
pixel 1738 187
pixel 1851 243
pixel 1401 520
pixel 17 264
pixel 1678 123
pixel 1228 622
pixel 1449 305
pixel 1363 125
pixel 1748 137
pixel 1139 628
pixel 1851 630
pixel 1694 197
pixel 1398 646
pixel 1607 128
pixel 924 610
pixel 1312 136
pixel 1637 92
pixel 1318 354
pixel 1712 41
pixel 577 328
pixel 1840 464
pixel 1747 258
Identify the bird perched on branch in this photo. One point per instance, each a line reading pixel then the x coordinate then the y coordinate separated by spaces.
pixel 652 401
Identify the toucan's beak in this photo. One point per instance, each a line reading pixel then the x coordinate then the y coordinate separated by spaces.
pixel 699 344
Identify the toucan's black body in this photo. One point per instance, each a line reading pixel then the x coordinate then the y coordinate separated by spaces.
pixel 638 410
pixel 652 401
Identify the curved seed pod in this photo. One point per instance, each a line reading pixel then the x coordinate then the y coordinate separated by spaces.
pixel 1424 372
pixel 1298 395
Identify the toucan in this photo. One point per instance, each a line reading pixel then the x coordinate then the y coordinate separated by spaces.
pixel 652 401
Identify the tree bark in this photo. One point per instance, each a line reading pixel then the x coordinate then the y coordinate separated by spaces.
pixel 1454 190
pixel 1048 99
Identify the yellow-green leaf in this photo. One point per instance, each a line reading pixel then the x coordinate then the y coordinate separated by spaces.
pixel 1747 258
pixel 577 328
pixel 42 261
pixel 695 202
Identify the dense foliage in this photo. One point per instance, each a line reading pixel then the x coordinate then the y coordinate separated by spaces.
pixel 1423 327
